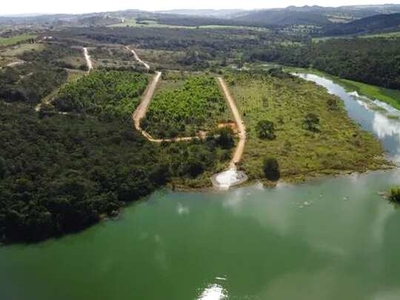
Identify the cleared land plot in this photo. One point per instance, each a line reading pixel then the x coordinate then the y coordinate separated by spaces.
pixel 113 58
pixel 162 59
pixel 337 145
pixel 20 49
pixel 15 39
pixel 185 107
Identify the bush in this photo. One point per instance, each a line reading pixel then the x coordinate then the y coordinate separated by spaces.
pixel 266 130
pixel 395 195
pixel 311 122
pixel 225 138
pixel 271 169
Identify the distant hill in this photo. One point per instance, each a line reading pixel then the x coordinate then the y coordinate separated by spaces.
pixel 374 24
pixel 318 16
pixel 215 13
pixel 314 15
pixel 283 17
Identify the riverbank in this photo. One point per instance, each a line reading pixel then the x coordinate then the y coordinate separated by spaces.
pixel 389 96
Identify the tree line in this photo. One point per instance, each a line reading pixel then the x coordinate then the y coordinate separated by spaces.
pixel 373 61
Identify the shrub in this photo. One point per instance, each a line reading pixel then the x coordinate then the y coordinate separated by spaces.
pixel 311 122
pixel 266 130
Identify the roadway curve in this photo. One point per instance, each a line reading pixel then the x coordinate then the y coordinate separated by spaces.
pixel 237 156
pixel 137 58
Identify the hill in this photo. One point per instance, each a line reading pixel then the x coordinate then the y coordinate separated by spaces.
pixel 378 23
pixel 216 13
pixel 283 17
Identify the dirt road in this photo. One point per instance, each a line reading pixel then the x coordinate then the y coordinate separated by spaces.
pixel 88 59
pixel 141 110
pixel 137 58
pixel 237 157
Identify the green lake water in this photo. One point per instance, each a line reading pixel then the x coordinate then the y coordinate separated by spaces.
pixel 332 238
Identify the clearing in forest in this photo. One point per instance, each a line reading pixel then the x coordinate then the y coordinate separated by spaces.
pixel 185 106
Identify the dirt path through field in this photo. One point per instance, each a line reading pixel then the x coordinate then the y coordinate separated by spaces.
pixel 146 65
pixel 88 59
pixel 237 157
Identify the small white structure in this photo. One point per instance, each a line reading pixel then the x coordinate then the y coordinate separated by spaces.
pixel 228 179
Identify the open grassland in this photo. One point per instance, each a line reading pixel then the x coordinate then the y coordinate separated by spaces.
pixel 337 145
pixel 103 93
pixel 20 49
pixel 15 39
pixel 185 109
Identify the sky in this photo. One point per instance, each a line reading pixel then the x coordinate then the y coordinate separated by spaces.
pixel 85 6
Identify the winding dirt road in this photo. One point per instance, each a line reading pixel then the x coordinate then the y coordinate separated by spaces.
pixel 237 157
pixel 88 59
pixel 141 110
pixel 137 58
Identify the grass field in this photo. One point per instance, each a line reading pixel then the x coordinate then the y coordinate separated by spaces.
pixel 387 35
pixel 21 48
pixel 153 23
pixel 340 146
pixel 15 39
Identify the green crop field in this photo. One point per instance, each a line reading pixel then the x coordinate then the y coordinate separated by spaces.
pixel 185 109
pixel 331 149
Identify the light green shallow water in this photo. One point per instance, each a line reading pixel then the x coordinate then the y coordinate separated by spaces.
pixel 334 238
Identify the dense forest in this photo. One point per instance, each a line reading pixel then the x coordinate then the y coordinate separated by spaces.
pixel 186 110
pixel 60 173
pixel 373 61
pixel 103 93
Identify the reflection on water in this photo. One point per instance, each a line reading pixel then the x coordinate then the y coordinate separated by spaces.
pixel 372 115
pixel 388 129
pixel 214 292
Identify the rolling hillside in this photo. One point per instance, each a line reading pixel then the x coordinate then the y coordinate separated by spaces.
pixel 372 24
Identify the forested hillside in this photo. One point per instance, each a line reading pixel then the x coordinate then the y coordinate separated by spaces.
pixel 373 61
pixel 372 24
